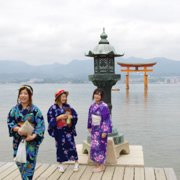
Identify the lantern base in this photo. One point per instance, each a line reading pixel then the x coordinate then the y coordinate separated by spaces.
pixel 113 151
pixel 118 138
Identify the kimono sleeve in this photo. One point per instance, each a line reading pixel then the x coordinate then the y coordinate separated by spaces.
pixel 11 122
pixel 52 123
pixel 75 117
pixel 106 125
pixel 40 126
pixel 89 117
pixel 74 121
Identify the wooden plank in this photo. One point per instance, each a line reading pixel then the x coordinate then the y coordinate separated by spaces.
pixel 139 174
pixel 2 163
pixel 108 174
pixel 51 169
pixel 149 174
pixel 78 174
pixel 170 174
pixel 118 173
pixel 87 173
pixel 56 174
pixel 40 170
pixel 129 173
pixel 8 171
pixel 6 166
pixel 13 175
pixel 67 174
pixel 160 174
pixel 97 176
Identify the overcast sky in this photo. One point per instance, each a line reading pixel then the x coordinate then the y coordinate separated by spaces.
pixel 47 31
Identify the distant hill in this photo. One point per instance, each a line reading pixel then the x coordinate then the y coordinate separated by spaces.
pixel 76 70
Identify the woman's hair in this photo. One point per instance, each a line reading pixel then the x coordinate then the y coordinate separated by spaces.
pixel 59 98
pixel 98 91
pixel 29 89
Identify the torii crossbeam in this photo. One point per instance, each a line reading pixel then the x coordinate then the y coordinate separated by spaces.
pixel 136 66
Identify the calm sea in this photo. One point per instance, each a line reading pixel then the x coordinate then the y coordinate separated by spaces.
pixel 150 119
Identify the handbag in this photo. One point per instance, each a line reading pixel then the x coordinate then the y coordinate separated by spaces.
pixel 26 128
pixel 21 152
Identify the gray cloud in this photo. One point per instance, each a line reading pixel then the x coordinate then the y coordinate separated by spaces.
pixel 44 31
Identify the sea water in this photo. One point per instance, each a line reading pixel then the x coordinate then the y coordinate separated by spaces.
pixel 147 118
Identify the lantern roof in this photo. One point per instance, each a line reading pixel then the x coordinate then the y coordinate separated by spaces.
pixel 103 48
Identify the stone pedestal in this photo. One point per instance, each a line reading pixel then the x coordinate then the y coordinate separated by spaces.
pixel 113 151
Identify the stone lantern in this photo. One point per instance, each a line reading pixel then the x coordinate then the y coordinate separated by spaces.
pixel 104 77
pixel 104 67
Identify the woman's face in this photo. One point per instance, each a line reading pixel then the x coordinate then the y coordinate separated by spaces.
pixel 97 97
pixel 63 98
pixel 24 97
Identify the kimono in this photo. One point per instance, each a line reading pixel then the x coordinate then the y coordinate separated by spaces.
pixel 98 144
pixel 18 115
pixel 64 136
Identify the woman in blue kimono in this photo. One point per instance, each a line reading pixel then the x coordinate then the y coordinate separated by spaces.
pixel 26 111
pixel 99 125
pixel 62 131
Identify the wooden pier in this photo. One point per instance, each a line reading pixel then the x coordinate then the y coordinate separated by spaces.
pixel 9 171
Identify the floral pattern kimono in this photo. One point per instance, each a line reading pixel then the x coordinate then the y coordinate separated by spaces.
pixel 64 136
pixel 98 144
pixel 19 115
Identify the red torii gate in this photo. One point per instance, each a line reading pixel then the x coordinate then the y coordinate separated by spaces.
pixel 136 66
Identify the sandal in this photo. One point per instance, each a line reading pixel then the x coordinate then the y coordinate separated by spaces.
pixel 97 169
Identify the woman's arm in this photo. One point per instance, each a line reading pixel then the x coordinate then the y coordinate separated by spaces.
pixel 106 125
pixel 39 127
pixel 11 122
pixel 89 119
pixel 74 117
pixel 52 123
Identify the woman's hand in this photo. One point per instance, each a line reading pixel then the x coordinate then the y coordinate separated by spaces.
pixel 89 130
pixel 20 133
pixel 62 116
pixel 17 129
pixel 103 135
pixel 70 117
pixel 30 137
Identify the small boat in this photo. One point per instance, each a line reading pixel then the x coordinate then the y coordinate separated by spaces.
pixel 115 89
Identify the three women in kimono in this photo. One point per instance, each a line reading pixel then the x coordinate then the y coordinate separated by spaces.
pixel 62 130
pixel 99 125
pixel 26 111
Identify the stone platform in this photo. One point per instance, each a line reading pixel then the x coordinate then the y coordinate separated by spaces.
pixel 135 158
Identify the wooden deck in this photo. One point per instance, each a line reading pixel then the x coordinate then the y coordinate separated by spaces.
pixel 9 171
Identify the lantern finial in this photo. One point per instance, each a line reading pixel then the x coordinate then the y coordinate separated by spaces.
pixel 103 38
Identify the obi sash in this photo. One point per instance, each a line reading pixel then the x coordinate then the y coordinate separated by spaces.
pixel 61 123
pixel 96 120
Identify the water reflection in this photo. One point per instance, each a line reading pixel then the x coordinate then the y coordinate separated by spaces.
pixel 145 96
pixel 127 96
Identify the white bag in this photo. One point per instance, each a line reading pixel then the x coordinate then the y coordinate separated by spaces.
pixel 26 128
pixel 21 152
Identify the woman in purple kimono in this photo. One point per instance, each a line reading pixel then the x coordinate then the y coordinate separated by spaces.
pixel 99 125
pixel 62 120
